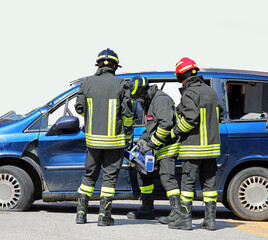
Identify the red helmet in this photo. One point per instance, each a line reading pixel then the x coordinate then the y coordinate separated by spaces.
pixel 185 64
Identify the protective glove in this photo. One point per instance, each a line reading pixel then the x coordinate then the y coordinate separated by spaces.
pixel 141 142
pixel 145 148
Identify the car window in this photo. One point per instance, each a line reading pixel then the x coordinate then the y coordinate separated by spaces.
pixel 247 100
pixel 64 108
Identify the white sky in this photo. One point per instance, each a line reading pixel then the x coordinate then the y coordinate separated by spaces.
pixel 46 44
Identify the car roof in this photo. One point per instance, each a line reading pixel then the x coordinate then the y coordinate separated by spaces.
pixel 206 72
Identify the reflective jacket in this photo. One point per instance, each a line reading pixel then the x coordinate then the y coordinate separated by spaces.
pixel 199 116
pixel 104 100
pixel 160 119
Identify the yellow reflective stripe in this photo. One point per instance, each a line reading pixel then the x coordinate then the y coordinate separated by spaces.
pixel 187 194
pixel 155 141
pixel 82 114
pixel 173 192
pixel 147 189
pixel 210 194
pixel 112 117
pixel 203 127
pixel 163 131
pixel 185 199
pixel 107 191
pixel 90 114
pixel 135 87
pixel 143 81
pixel 186 125
pixel 105 137
pixel 200 154
pixel 127 121
pixel 106 144
pixel 109 56
pixel 177 116
pixel 168 150
pixel 209 199
pixel 172 133
pixel 181 127
pixel 218 114
pixel 83 189
pixel 186 67
pixel 197 147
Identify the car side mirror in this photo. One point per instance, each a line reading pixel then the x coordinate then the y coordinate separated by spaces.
pixel 64 125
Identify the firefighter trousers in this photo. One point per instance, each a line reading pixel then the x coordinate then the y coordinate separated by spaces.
pixel 207 177
pixel 109 160
pixel 167 174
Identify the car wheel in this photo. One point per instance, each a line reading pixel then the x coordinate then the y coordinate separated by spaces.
pixel 226 204
pixel 16 189
pixel 247 194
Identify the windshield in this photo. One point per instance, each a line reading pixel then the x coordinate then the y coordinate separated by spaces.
pixel 12 116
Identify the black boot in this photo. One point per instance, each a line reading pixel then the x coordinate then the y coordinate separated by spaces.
pixel 175 210
pixel 105 218
pixel 146 211
pixel 210 215
pixel 81 209
pixel 185 220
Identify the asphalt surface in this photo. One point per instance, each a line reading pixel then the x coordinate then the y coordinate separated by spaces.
pixel 57 221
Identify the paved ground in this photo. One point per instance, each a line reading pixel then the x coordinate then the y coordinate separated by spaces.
pixel 57 221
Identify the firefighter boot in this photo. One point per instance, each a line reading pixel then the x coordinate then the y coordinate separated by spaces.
pixel 210 215
pixel 175 210
pixel 105 218
pixel 146 211
pixel 185 219
pixel 81 209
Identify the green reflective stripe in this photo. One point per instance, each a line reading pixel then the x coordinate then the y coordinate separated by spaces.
pixel 83 189
pixel 112 117
pixel 203 127
pixel 109 56
pixel 173 192
pixel 187 194
pixel 107 191
pixel 135 87
pixel 186 125
pixel 185 199
pixel 127 121
pixel 147 189
pixel 155 141
pixel 210 194
pixel 200 154
pixel 105 137
pixel 172 133
pixel 90 114
pixel 199 148
pixel 81 212
pixel 218 114
pixel 209 199
pixel 169 150
pixel 181 127
pixel 195 151
pixel 101 214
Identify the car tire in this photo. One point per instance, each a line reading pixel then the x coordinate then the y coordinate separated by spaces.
pixel 16 189
pixel 247 194
pixel 226 204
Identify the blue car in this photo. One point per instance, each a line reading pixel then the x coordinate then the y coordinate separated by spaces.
pixel 42 153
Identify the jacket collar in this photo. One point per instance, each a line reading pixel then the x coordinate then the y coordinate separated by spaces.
pixel 151 91
pixel 194 81
pixel 105 70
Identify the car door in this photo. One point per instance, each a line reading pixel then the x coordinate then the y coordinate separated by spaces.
pixel 63 156
pixel 247 107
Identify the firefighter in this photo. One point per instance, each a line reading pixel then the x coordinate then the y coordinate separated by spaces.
pixel 198 128
pixel 104 101
pixel 160 119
